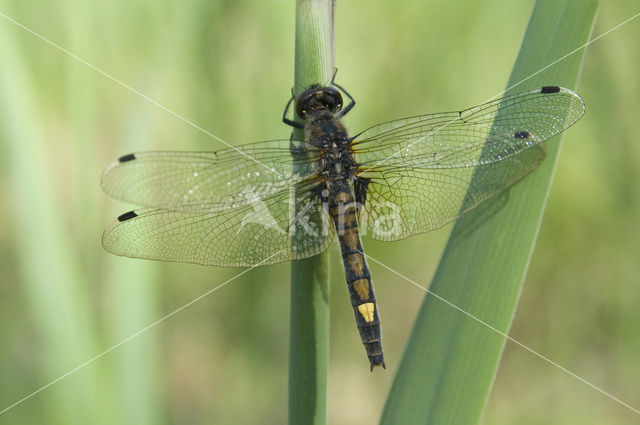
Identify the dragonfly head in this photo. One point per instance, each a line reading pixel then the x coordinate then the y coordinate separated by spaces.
pixel 316 99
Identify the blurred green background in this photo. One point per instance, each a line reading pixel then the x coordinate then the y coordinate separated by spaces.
pixel 228 66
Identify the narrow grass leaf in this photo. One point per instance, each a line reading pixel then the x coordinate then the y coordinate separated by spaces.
pixel 451 359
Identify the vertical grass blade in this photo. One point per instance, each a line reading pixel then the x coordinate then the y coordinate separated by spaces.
pixel 451 359
pixel 309 345
pixel 51 276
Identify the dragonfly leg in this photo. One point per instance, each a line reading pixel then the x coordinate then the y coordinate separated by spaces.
pixel 352 102
pixel 360 191
pixel 322 192
pixel 286 111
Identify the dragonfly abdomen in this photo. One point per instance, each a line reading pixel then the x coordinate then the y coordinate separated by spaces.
pixel 343 209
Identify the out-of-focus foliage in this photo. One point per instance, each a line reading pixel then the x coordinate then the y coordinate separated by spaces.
pixel 228 67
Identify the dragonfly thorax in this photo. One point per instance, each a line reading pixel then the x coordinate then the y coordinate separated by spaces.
pixel 330 137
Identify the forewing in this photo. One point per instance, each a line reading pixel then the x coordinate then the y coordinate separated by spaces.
pixel 266 231
pixel 484 134
pixel 202 182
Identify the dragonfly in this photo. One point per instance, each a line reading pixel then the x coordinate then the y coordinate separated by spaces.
pixel 288 199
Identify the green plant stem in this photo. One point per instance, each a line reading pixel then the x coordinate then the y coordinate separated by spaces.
pixel 451 359
pixel 309 345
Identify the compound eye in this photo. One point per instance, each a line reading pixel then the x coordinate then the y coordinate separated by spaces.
pixel 304 102
pixel 332 99
pixel 317 98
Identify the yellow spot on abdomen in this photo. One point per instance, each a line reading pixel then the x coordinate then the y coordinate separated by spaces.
pixel 343 197
pixel 367 310
pixel 351 239
pixel 361 286
pixel 355 262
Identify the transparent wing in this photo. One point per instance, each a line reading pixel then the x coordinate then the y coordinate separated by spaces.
pixel 427 171
pixel 402 203
pixel 203 182
pixel 267 231
pixel 484 134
